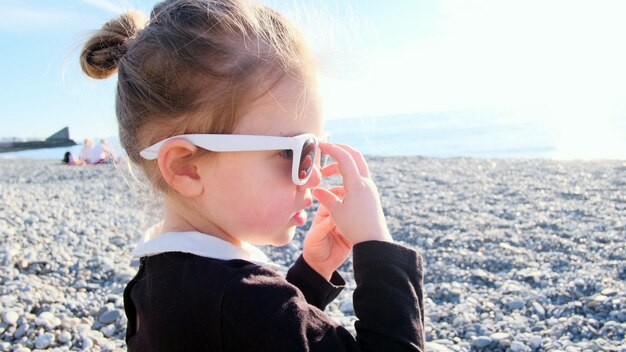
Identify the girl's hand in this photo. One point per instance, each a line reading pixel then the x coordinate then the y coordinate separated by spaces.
pixel 358 215
pixel 325 249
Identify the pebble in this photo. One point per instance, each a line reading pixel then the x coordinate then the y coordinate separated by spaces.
pixel 518 347
pixel 482 341
pixel 609 292
pixel 86 343
pixel 10 317
pixel 499 336
pixel 64 337
pixel 44 340
pixel 435 347
pixel 108 330
pixel 541 312
pixel 535 342
pixel 346 307
pixel 21 331
pixel 110 316
pixel 515 304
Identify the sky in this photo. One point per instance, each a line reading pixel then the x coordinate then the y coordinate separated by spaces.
pixel 562 60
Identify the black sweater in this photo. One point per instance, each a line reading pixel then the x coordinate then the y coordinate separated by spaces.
pixel 183 302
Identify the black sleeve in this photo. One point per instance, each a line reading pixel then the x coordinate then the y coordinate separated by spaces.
pixel 263 312
pixel 316 289
pixel 396 321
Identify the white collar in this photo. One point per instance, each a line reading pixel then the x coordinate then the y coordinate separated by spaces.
pixel 200 244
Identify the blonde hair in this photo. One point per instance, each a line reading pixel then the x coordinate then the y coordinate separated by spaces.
pixel 190 67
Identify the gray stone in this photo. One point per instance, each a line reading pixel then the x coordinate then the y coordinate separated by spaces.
pixel 435 347
pixel 482 341
pixel 609 292
pixel 21 331
pixel 600 298
pixel 64 337
pixel 515 304
pixel 517 346
pixel 541 312
pixel 10 317
pixel 109 316
pixel 86 343
pixel 47 320
pixel 44 340
pixel 108 330
pixel 346 307
pixel 621 315
pixel 499 336
pixel 535 342
pixel 108 346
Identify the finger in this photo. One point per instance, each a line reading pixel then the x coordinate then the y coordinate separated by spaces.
pixel 321 230
pixel 347 167
pixel 330 170
pixel 321 214
pixel 358 159
pixel 327 199
pixel 339 191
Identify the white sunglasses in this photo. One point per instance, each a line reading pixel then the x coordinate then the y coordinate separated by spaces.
pixel 304 148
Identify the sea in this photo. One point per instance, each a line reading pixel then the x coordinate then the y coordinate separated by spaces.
pixel 452 134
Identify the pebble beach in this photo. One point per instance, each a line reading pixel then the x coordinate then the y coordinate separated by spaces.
pixel 519 254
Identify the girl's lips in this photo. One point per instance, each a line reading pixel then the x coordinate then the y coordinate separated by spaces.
pixel 300 217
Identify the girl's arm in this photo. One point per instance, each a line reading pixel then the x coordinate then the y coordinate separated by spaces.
pixel 263 312
pixel 317 290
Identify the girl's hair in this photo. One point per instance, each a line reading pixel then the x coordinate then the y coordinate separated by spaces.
pixel 191 67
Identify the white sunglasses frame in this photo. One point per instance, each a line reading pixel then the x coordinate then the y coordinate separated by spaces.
pixel 245 143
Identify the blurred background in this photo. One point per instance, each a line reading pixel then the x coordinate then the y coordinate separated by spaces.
pixel 439 78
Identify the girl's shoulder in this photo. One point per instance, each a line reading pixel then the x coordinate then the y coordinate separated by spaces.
pixel 205 271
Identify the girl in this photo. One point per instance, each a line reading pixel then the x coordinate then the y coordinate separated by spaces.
pixel 217 103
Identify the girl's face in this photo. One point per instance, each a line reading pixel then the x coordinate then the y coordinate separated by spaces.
pixel 249 196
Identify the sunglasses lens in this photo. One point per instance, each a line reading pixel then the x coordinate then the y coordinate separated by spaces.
pixel 307 158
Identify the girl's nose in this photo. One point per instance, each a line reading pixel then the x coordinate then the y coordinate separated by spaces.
pixel 314 180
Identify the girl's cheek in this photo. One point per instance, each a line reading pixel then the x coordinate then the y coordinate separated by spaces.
pixel 280 170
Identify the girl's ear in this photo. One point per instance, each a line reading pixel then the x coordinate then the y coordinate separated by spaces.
pixel 180 174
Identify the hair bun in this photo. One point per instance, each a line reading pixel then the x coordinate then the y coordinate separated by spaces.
pixel 102 52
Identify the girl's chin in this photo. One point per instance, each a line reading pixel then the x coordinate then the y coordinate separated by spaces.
pixel 284 239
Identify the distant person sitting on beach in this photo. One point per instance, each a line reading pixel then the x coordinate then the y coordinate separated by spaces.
pixel 99 154
pixel 109 154
pixel 86 153
pixel 217 102
pixel 102 154
pixel 69 159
